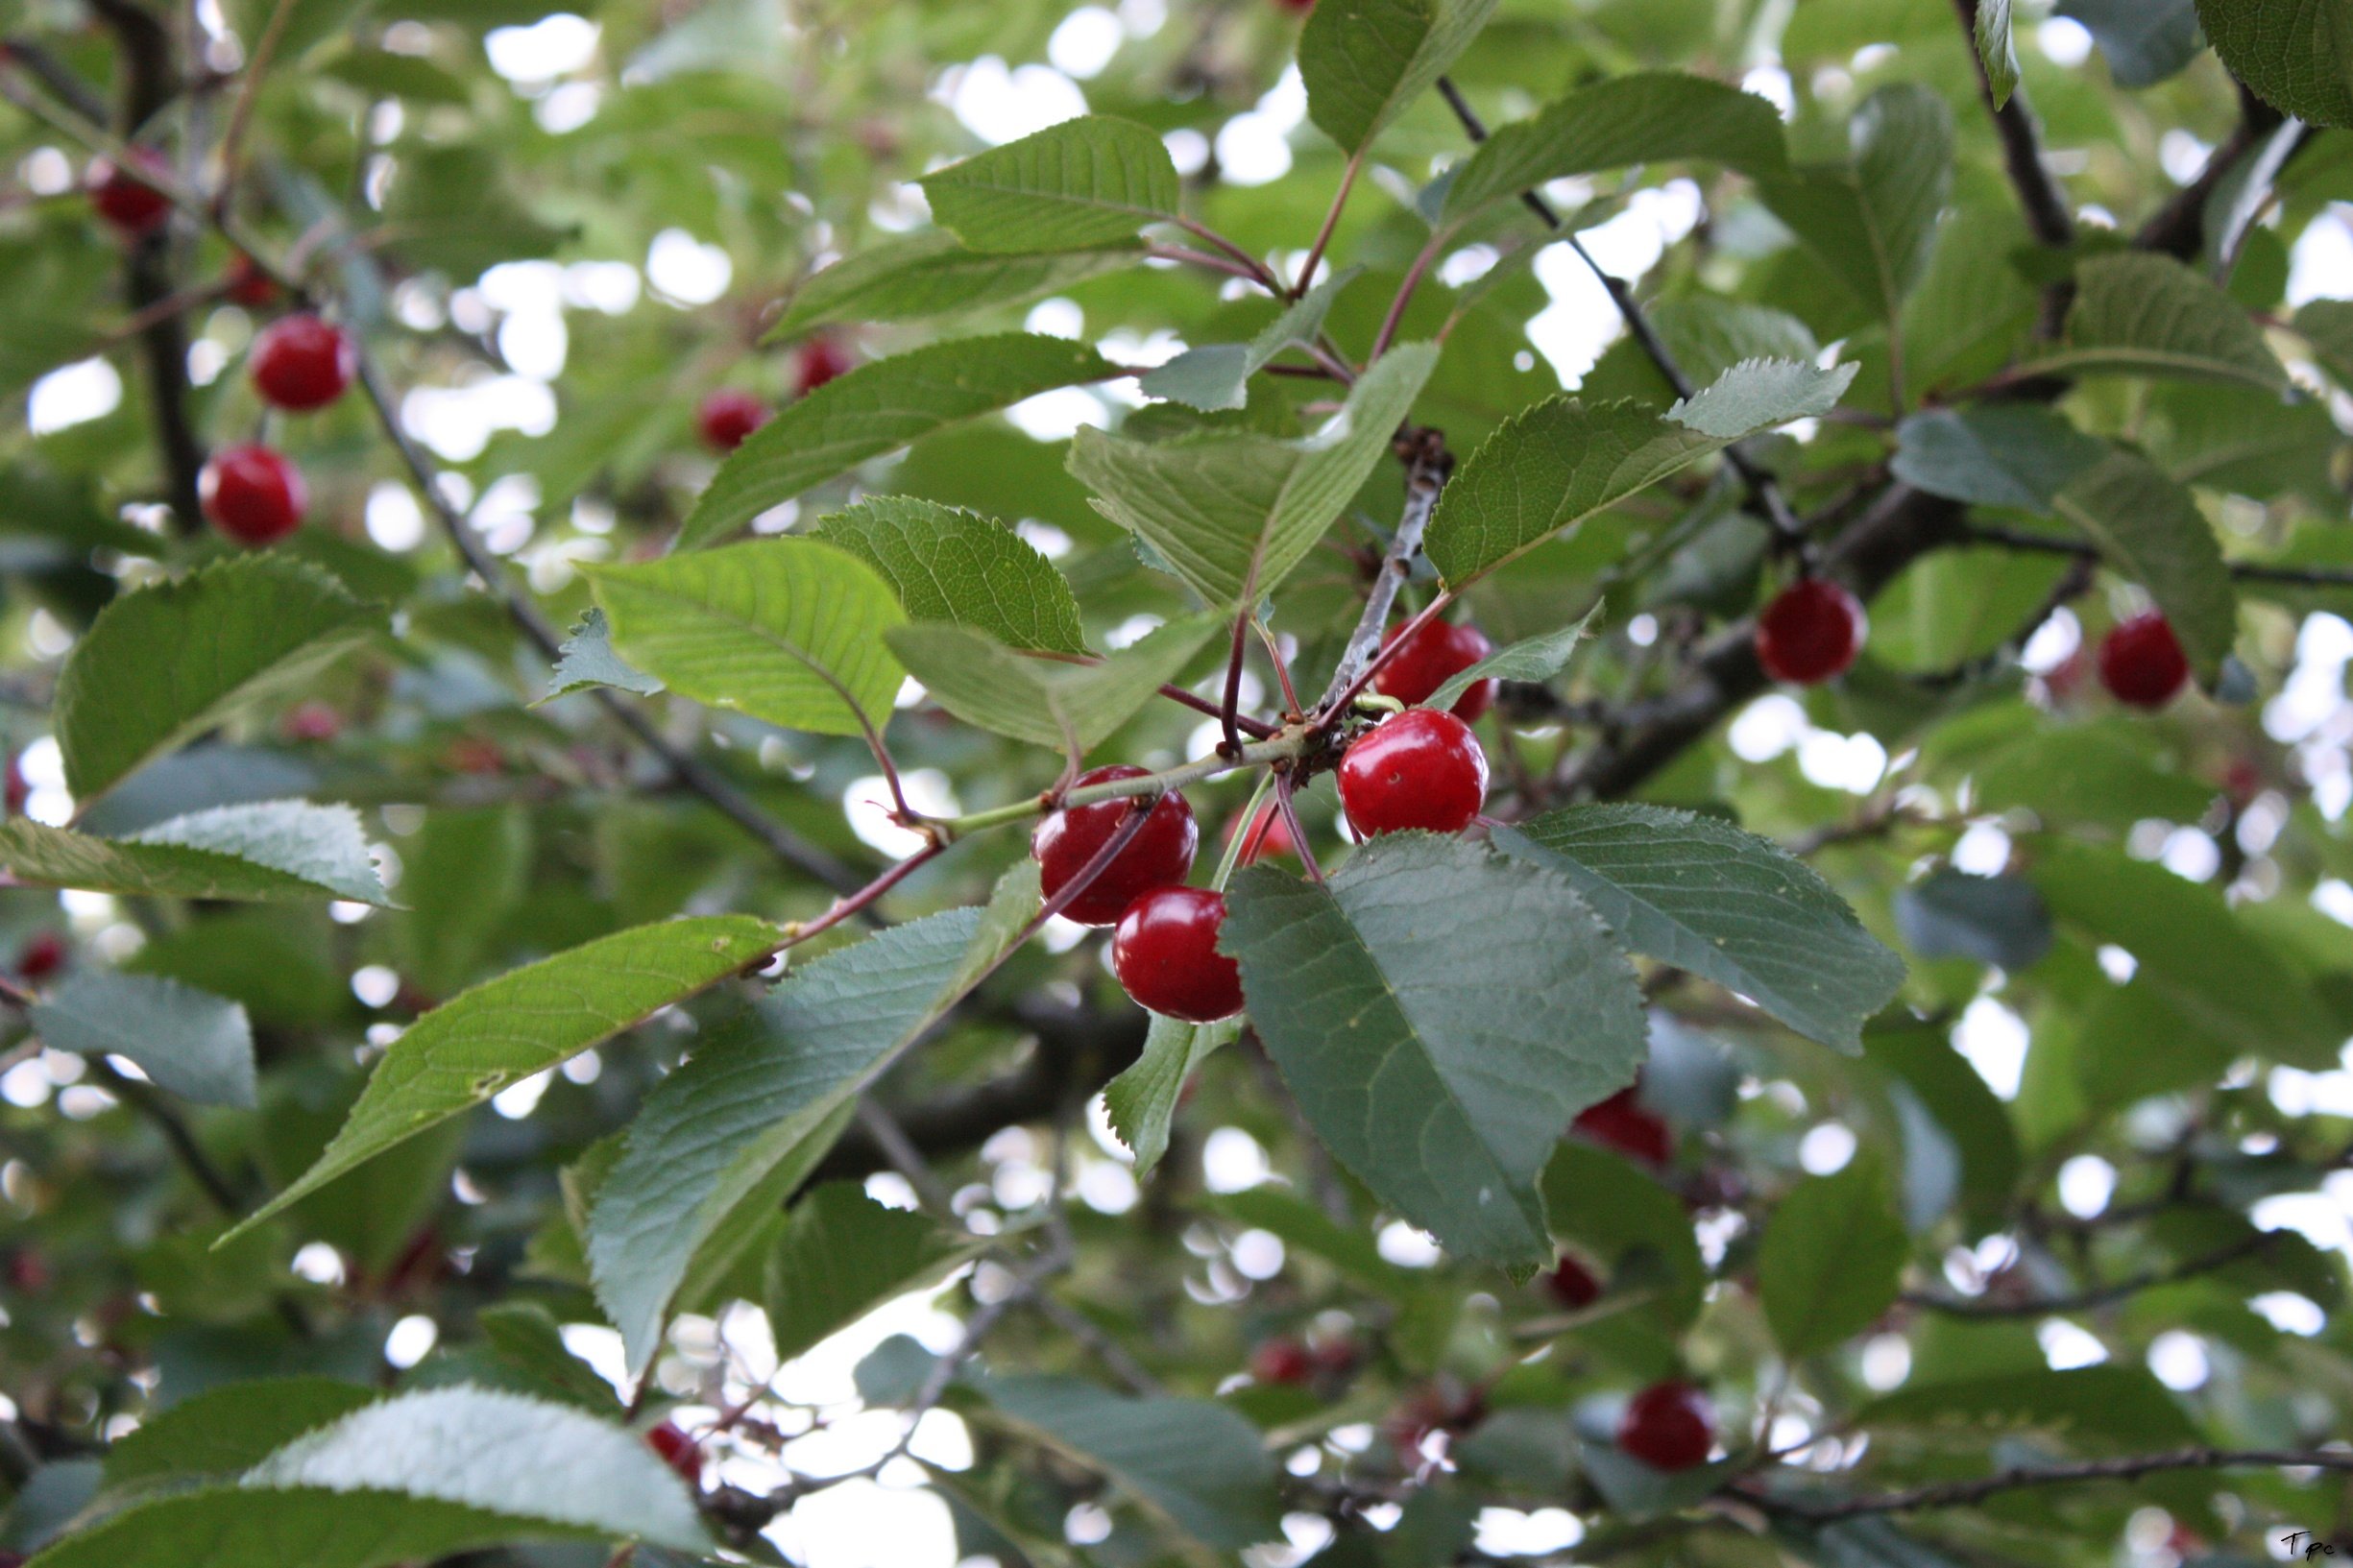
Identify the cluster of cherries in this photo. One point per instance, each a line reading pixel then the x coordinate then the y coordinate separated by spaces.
pixel 727 417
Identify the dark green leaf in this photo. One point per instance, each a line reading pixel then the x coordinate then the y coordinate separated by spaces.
pixel 1831 1257
pixel 1994 920
pixel 231 1428
pixel 2138 314
pixel 2294 54
pixel 1216 375
pixel 1365 61
pixel 1873 222
pixel 841 1255
pixel 1142 1100
pixel 1535 660
pixel 2151 529
pixel 195 1045
pixel 1068 707
pixel 1993 454
pixel 2144 41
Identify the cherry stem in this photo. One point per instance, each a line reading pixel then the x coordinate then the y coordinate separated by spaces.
pixel 1282 666
pixel 1331 220
pixel 1256 272
pixel 1405 294
pixel 1282 748
pixel 1245 845
pixel 1231 746
pixel 862 900
pixel 1283 788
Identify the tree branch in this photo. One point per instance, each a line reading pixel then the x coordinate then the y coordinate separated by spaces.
pixel 1427 466
pixel 2100 1295
pixel 2248 572
pixel 2048 215
pixel 1964 1493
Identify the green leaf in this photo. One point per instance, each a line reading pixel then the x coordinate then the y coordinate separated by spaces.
pixel 1644 117
pixel 1995 50
pixel 786 630
pixel 277 851
pixel 1216 375
pixel 1831 1257
pixel 2118 1408
pixel 1623 1218
pixel 1728 906
pixel 528 1344
pixel 842 1255
pixel 2139 314
pixel 1303 1227
pixel 930 275
pixel 1872 224
pixel 587 659
pixel 1534 660
pixel 1990 920
pixel 2144 41
pixel 1232 515
pixel 1365 61
pixel 1562 461
pixel 877 408
pixel 1087 181
pixel 1195 1465
pixel 228 1430
pixel 463 875
pixel 196 1045
pixel 2151 529
pixel 948 565
pixel 525 1021
pixel 2327 324
pixel 751 1099
pixel 1070 708
pixel 1994 454
pixel 1439 1058
pixel 2292 53
pixel 162 663
pixel 1142 1100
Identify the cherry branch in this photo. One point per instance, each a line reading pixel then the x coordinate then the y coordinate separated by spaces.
pixel 2048 213
pixel 1428 465
pixel 2102 1295
pixel 1966 1493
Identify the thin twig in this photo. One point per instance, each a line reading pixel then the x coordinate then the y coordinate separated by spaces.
pixel 241 112
pixel 2048 213
pixel 1301 285
pixel 2100 1295
pixel 1965 1493
pixel 1425 476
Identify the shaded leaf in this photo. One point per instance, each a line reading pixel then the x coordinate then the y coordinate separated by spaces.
pixel 1831 1257
pixel 1623 1218
pixel 1142 1100
pixel 226 1430
pixel 1069 707
pixel 274 852
pixel 2151 530
pixel 1365 61
pixel 1087 181
pixel 842 1255
pixel 1994 920
pixel 198 1046
pixel 2144 41
pixel 1993 454
pixel 948 565
pixel 1216 375
pixel 1873 223
pixel 2139 314
pixel 929 274
pixel 1533 659
pixel 2294 54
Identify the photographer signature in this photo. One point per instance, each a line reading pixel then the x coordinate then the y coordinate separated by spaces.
pixel 2318 1548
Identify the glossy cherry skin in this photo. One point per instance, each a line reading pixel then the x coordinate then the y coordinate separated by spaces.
pixel 1165 952
pixel 1418 769
pixel 301 363
pixel 1281 1360
pixel 727 416
pixel 1811 632
pixel 822 360
pixel 42 955
pixel 1433 656
pixel 134 208
pixel 1668 1426
pixel 1160 855
pixel 677 1451
pixel 2141 662
pixel 251 493
pixel 1624 1123
pixel 1572 1285
pixel 247 284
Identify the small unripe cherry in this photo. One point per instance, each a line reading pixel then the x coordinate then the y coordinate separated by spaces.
pixel 2141 662
pixel 300 363
pixel 1161 854
pixel 1281 1360
pixel 252 493
pixel 822 360
pixel 1432 657
pixel 1668 1426
pixel 133 206
pixel 678 1450
pixel 1572 1285
pixel 727 417
pixel 1421 768
pixel 1624 1123
pixel 1811 632
pixel 1165 952
pixel 42 955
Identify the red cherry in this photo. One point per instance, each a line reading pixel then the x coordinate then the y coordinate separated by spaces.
pixel 1668 1426
pixel 1572 1285
pixel 1165 952
pixel 1335 1358
pixel 1270 835
pixel 727 416
pixel 1811 632
pixel 1437 653
pixel 820 361
pixel 301 363
pixel 253 494
pixel 247 284
pixel 135 207
pixel 18 787
pixel 2141 662
pixel 29 1273
pixel 42 955
pixel 312 721
pixel 1624 1123
pixel 1418 769
pixel 1281 1360
pixel 1160 855
pixel 677 1451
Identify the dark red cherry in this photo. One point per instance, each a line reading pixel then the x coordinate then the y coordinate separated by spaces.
pixel 678 1450
pixel 1165 952
pixel 822 360
pixel 1281 1360
pixel 1668 1426
pixel 727 416
pixel 1811 632
pixel 134 208
pixel 1572 1285
pixel 251 493
pixel 301 363
pixel 42 955
pixel 1160 855
pixel 1421 768
pixel 245 283
pixel 1434 655
pixel 1269 837
pixel 1624 1123
pixel 2141 662
pixel 19 789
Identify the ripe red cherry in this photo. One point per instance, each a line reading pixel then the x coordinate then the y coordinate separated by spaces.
pixel 727 416
pixel 253 494
pixel 301 363
pixel 1668 1426
pixel 822 360
pixel 247 284
pixel 42 955
pixel 1165 952
pixel 19 789
pixel 1281 1360
pixel 1160 855
pixel 2141 662
pixel 1420 769
pixel 1266 835
pixel 1437 653
pixel 677 1451
pixel 1811 632
pixel 1572 1285
pixel 1624 1123
pixel 135 207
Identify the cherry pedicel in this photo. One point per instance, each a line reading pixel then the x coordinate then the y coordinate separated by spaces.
pixel 1572 1285
pixel 134 208
pixel 1624 1123
pixel 1160 855
pixel 2141 662
pixel 41 956
pixel 251 493
pixel 1429 658
pixel 727 416
pixel 1811 632
pixel 822 360
pixel 1420 769
pixel 301 363
pixel 1668 1426
pixel 1266 835
pixel 1165 952
pixel 677 1451
pixel 1281 1360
